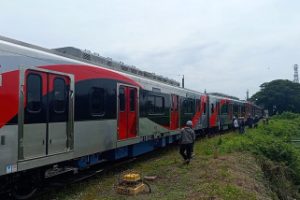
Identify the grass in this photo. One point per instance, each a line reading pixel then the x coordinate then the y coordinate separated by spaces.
pixel 261 164
pixel 231 176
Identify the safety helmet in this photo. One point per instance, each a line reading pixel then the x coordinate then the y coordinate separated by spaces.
pixel 189 123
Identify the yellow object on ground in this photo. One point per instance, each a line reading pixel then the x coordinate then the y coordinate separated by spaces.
pixel 130 183
pixel 131 177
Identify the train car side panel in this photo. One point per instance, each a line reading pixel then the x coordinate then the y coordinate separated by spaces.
pixel 9 106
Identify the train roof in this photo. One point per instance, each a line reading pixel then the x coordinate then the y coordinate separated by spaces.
pixel 223 95
pixel 53 56
pixel 147 79
pixel 86 56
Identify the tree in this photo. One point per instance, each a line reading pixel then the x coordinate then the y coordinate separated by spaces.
pixel 278 96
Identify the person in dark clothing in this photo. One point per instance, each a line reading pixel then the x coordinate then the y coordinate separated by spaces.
pixel 241 125
pixel 186 141
pixel 249 121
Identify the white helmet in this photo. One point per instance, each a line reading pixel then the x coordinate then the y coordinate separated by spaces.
pixel 189 123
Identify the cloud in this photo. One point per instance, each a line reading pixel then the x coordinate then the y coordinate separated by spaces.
pixel 225 46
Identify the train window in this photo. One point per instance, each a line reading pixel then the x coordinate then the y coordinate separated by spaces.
pixel 59 95
pixel 192 106
pixel 185 106
pixel 230 107
pixel 188 106
pixel 155 104
pixel 235 109
pixel 97 98
pixel 159 104
pixel 150 104
pixel 212 108
pixel 243 110
pixel 122 98
pixel 132 99
pixel 204 110
pixel 224 109
pixel 34 93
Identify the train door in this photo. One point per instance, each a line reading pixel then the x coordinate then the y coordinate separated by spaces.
pixel 127 112
pixel 207 106
pixel 204 100
pixel 47 114
pixel 58 104
pixel 213 112
pixel 174 122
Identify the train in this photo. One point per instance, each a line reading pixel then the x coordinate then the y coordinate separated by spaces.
pixel 62 112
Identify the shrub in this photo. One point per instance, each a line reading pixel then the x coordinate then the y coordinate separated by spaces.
pixel 286 115
pixel 279 158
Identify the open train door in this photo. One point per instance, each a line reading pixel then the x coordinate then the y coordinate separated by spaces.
pixel 174 119
pixel 127 111
pixel 46 112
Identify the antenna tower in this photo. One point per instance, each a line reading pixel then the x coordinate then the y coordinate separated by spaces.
pixel 296 77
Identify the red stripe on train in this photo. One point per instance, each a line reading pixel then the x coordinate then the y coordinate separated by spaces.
pixel 83 72
pixel 9 96
pixel 9 91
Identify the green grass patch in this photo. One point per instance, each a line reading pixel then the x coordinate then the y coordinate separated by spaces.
pixel 263 163
pixel 273 147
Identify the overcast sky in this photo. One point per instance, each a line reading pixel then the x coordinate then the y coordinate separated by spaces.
pixel 226 46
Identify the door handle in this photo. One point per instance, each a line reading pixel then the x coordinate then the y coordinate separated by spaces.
pixel 43 142
pixel 71 93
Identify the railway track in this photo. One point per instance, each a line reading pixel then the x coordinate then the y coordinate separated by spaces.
pixel 64 180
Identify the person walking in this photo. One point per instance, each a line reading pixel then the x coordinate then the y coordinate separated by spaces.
pixel 235 123
pixel 186 141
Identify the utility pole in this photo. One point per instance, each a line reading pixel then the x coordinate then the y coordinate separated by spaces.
pixel 182 81
pixel 247 94
pixel 296 78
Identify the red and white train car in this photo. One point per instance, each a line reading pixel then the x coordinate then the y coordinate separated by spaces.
pixel 59 113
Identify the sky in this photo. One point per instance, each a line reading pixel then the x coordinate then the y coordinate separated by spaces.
pixel 227 46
